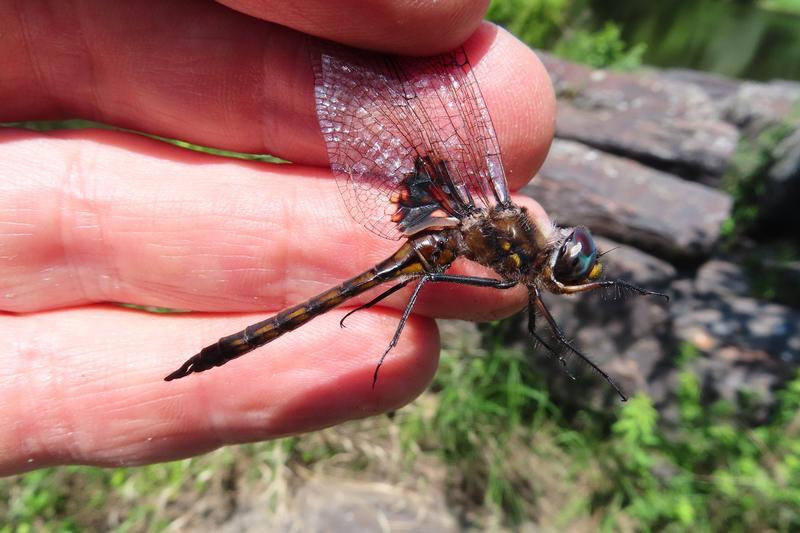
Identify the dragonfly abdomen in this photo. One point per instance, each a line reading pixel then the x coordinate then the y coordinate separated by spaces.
pixel 403 263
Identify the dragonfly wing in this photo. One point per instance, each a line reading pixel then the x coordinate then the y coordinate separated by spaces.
pixel 385 117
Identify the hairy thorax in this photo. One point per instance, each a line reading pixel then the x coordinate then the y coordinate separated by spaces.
pixel 506 240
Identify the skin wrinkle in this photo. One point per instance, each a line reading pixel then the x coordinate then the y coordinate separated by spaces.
pixel 63 210
pixel 73 197
pixel 35 67
pixel 90 65
pixel 81 441
pixel 40 372
pixel 215 424
pixel 285 114
pixel 268 105
pixel 109 277
pixel 285 217
pixel 14 383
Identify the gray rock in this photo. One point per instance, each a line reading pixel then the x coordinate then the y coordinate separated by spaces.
pixel 346 506
pixel 629 202
pixel 756 106
pixel 645 116
pixel 748 345
pixel 633 265
pixel 723 279
pixel 717 87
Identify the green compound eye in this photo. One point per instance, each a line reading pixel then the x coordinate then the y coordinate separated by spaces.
pixel 577 257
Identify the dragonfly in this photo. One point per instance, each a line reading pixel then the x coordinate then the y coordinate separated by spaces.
pixel 416 158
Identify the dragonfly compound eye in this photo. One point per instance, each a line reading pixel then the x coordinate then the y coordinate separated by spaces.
pixel 577 257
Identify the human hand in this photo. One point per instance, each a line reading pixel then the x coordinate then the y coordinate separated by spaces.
pixel 95 216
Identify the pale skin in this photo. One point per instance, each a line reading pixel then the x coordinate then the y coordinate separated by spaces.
pixel 88 217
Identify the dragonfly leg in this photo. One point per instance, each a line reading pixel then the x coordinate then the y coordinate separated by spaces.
pixel 406 314
pixel 425 278
pixel 572 289
pixel 435 276
pixel 618 283
pixel 536 301
pixel 540 340
pixel 471 280
pixel 377 299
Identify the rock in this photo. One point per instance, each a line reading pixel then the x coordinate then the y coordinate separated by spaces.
pixel 629 264
pixel 769 113
pixel 718 88
pixel 629 202
pixel 338 505
pixel 756 106
pixel 748 345
pixel 723 279
pixel 645 116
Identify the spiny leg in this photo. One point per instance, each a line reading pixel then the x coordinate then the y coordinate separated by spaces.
pixel 406 314
pixel 618 283
pixel 540 340
pixel 432 277
pixel 471 280
pixel 535 296
pixel 377 299
pixel 532 325
pixel 445 278
pixel 573 289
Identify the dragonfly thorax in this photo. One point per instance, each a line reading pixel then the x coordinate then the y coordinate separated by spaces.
pixel 506 240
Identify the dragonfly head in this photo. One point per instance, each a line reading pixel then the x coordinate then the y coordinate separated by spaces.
pixel 575 260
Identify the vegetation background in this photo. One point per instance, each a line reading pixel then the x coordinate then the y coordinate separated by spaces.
pixel 487 429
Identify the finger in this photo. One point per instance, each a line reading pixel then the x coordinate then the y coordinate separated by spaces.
pixel 94 216
pixel 401 27
pixel 208 75
pixel 86 385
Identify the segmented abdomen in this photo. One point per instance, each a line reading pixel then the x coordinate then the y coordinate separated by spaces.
pixel 404 262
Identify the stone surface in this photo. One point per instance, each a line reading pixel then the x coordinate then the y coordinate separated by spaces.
pixel 645 116
pixel 756 106
pixel 630 150
pixel 747 344
pixel 722 278
pixel 718 88
pixel 629 202
pixel 346 506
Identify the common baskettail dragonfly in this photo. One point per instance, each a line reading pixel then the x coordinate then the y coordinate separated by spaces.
pixel 416 157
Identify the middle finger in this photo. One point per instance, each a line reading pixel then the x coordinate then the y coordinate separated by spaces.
pixel 104 216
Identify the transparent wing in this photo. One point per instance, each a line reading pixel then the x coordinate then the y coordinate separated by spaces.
pixel 379 115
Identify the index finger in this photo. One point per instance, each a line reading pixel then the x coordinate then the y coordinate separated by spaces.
pixel 398 26
pixel 213 77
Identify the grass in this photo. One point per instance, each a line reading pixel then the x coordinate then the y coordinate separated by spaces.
pixel 488 437
pixel 563 27
pixel 144 498
pixel 784 6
